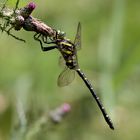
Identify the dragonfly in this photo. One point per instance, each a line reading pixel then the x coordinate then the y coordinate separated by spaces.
pixel 68 51
pixel 67 48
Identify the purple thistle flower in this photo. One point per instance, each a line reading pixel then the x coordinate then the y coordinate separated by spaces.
pixel 66 108
pixel 57 114
pixel 27 10
pixel 31 6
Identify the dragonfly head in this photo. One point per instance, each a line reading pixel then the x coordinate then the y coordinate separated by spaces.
pixel 60 35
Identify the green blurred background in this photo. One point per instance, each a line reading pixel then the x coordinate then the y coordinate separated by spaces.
pixel 110 57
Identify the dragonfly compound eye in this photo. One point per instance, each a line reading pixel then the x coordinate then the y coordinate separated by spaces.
pixel 61 35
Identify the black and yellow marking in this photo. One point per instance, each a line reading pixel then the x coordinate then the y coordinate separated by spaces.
pixel 68 52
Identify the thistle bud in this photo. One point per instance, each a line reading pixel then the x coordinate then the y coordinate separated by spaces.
pixel 58 114
pixel 27 10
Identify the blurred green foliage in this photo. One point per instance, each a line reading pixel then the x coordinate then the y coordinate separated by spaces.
pixel 111 44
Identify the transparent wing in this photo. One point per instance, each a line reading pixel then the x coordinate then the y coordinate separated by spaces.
pixel 66 77
pixel 61 62
pixel 77 41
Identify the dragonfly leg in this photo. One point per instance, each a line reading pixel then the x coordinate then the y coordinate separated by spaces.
pixel 45 40
pixel 49 48
pixel 36 37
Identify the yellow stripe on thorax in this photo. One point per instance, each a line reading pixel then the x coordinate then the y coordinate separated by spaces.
pixel 66 45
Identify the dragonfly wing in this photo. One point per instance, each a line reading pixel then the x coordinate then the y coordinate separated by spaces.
pixel 61 62
pixel 77 41
pixel 66 77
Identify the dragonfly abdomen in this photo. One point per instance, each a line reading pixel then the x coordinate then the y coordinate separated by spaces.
pixel 71 64
pixel 90 87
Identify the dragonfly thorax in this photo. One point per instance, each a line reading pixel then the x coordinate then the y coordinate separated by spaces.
pixel 68 51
